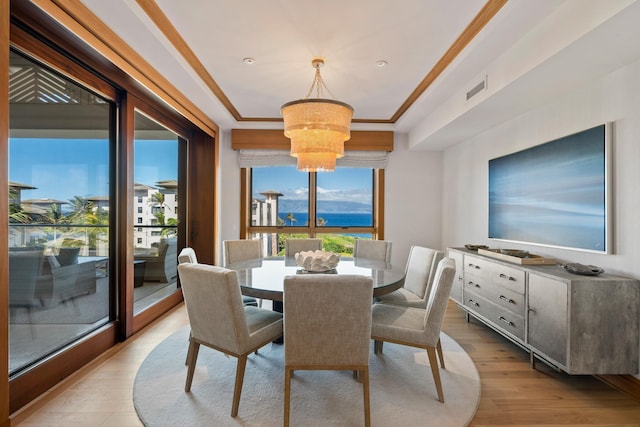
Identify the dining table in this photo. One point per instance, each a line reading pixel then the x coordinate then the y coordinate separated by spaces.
pixel 264 277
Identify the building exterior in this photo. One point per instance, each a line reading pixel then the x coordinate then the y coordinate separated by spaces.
pixel 154 207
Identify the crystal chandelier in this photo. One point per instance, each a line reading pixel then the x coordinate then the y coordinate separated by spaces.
pixel 317 127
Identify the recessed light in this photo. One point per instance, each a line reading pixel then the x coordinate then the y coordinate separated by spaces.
pixel 382 63
pixel 249 61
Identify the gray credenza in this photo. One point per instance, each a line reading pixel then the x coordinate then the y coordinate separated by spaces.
pixel 578 324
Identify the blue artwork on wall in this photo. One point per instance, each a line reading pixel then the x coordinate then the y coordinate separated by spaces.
pixel 553 194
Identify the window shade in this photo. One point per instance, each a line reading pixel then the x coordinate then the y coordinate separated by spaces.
pixel 351 159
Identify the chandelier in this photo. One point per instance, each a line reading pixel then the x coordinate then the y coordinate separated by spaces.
pixel 317 126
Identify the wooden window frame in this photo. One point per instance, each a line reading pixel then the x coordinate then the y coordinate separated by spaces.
pixel 271 139
pixel 376 230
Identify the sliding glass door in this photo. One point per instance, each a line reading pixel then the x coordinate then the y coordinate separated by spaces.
pixel 59 229
pixel 156 214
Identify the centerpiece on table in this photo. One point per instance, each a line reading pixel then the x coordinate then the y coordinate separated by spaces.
pixel 317 261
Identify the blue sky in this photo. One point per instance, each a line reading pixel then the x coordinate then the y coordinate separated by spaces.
pixel 64 168
pixel 349 184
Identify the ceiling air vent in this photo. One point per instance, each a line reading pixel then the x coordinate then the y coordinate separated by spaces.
pixel 477 89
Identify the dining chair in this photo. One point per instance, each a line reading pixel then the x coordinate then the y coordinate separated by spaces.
pixel 293 246
pixel 327 327
pixel 417 327
pixel 187 255
pixel 379 250
pixel 219 320
pixel 241 250
pixel 419 275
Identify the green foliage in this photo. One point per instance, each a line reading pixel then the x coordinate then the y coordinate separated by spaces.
pixel 71 243
pixel 336 243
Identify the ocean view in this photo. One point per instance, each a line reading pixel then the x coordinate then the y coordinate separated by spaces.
pixel 332 219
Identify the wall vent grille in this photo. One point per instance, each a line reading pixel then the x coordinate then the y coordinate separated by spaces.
pixel 477 89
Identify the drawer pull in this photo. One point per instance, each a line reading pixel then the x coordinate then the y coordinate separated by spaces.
pixel 472 302
pixel 509 300
pixel 504 276
pixel 473 284
pixel 508 322
pixel 477 267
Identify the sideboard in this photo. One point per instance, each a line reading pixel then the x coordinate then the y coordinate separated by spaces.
pixel 577 324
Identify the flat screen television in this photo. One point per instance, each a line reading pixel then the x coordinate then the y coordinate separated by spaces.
pixel 554 194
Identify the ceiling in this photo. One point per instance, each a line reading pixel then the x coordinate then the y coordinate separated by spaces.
pixel 436 51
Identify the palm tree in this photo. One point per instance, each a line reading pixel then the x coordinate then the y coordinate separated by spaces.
pixel 170 231
pixel 17 214
pixel 291 218
pixel 82 211
pixel 55 217
pixel 157 199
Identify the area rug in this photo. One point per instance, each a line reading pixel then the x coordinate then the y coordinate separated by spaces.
pixel 402 389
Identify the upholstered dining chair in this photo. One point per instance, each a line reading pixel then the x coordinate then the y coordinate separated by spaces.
pixel 220 321
pixel 293 246
pixel 379 250
pixel 187 255
pixel 417 327
pixel 327 327
pixel 419 275
pixel 243 250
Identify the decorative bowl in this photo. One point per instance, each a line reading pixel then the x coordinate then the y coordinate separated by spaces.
pixel 476 247
pixel 515 252
pixel 584 270
pixel 317 261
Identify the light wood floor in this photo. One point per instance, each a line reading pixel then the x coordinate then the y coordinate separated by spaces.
pixel 512 393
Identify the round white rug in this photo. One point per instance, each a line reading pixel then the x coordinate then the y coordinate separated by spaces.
pixel 402 389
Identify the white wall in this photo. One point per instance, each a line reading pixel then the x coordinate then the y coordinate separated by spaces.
pixel 611 98
pixel 413 189
pixel 229 194
pixel 413 198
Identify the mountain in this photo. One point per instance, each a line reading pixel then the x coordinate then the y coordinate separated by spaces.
pixel 324 206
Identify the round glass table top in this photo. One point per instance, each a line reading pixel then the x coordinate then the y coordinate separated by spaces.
pixel 264 278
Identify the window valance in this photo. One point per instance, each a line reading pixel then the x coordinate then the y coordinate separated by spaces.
pixel 251 158
pixel 269 147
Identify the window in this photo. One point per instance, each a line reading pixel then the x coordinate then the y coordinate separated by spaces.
pixel 59 231
pixel 139 209
pixel 336 206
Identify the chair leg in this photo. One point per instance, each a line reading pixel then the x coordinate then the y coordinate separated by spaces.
pixel 237 390
pixel 287 395
pixel 186 360
pixel 433 361
pixel 440 353
pixel 365 392
pixel 194 347
pixel 377 346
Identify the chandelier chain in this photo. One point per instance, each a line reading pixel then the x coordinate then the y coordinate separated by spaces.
pixel 319 85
